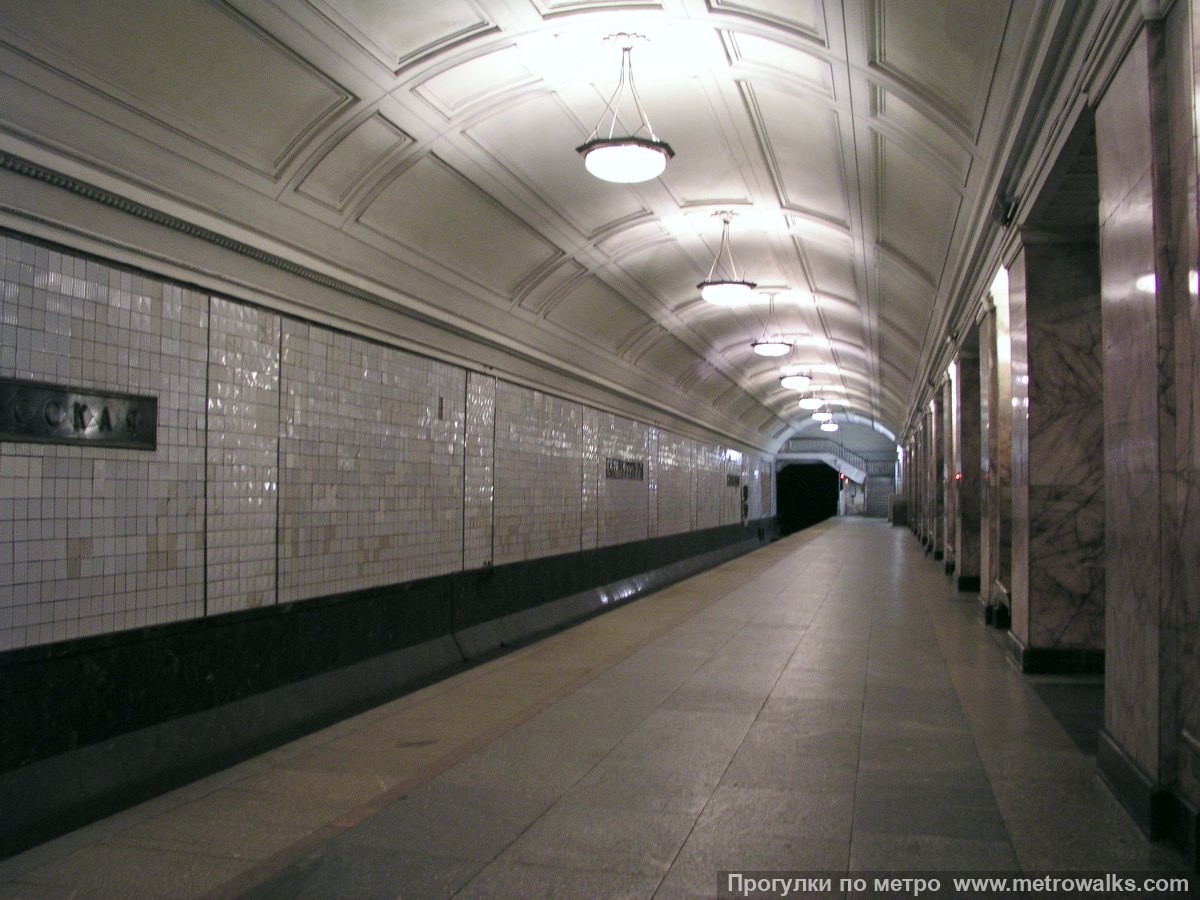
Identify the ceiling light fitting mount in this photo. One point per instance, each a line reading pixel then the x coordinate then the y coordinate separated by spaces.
pixel 630 158
pixel 724 286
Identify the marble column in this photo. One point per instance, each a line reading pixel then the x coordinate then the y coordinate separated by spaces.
pixel 968 472
pixel 989 509
pixel 1057 588
pixel 912 480
pixel 927 486
pixel 996 375
pixel 937 492
pixel 1146 141
pixel 1183 624
pixel 946 471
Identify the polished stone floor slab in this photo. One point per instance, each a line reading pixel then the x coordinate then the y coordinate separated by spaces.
pixel 828 703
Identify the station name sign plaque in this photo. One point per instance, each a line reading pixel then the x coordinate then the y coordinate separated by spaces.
pixel 630 469
pixel 37 413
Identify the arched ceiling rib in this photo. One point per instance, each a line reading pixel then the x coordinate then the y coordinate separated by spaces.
pixel 428 148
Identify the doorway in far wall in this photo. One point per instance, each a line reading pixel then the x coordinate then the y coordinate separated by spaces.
pixel 807 493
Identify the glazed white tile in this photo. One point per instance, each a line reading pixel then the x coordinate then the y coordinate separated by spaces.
pixel 243 456
pixel 676 484
pixel 622 504
pixel 101 539
pixel 539 472
pixel 479 477
pixel 371 471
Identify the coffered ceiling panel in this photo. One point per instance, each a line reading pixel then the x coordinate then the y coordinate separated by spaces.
pixel 352 158
pixel 801 142
pixel 807 17
pixel 416 159
pixel 943 52
pixel 597 313
pixel 831 266
pixel 433 210
pixel 549 169
pixel 917 210
pixel 475 80
pixel 186 66
pixel 396 32
pixel 709 171
pixel 790 63
pixel 668 358
pixel 938 145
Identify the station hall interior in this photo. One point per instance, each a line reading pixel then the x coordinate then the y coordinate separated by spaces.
pixel 577 447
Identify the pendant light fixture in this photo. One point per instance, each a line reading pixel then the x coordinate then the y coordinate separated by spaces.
pixel 822 416
pixel 768 344
pixel 829 426
pixel 795 381
pixel 811 401
pixel 626 159
pixel 723 286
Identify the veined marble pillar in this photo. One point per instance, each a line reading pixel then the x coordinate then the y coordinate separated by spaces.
pixel 1183 55
pixel 927 481
pixel 996 377
pixel 937 492
pixel 949 466
pixel 912 478
pixel 1146 139
pixel 1057 588
pixel 989 509
pixel 968 471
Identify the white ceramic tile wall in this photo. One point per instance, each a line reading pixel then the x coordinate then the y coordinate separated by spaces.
pixel 592 479
pixel 333 463
pixel 479 476
pixel 712 488
pixel 371 480
pixel 652 467
pixel 622 504
pixel 539 471
pixel 766 499
pixel 675 484
pixel 94 540
pixel 243 456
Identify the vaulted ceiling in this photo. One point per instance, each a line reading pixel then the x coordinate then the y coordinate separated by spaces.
pixel 423 153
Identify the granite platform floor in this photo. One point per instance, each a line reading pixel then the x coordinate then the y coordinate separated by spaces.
pixel 827 703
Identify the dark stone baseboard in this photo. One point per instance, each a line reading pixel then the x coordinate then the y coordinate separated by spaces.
pixel 995 615
pixel 968 583
pixel 98 724
pixel 997 611
pixel 1160 811
pixel 1055 660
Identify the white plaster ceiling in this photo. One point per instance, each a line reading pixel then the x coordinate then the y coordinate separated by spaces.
pixel 424 150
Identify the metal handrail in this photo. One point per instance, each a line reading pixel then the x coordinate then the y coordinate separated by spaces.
pixel 819 445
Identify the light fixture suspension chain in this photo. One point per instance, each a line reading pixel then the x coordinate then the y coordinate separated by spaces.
pixel 725 248
pixel 612 109
pixel 627 63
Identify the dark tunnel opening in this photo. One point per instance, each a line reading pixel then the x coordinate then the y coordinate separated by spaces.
pixel 808 494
